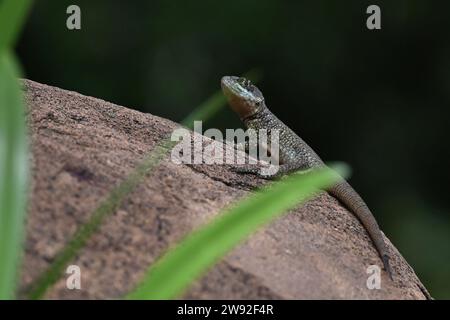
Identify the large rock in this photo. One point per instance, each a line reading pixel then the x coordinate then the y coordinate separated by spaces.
pixel 83 147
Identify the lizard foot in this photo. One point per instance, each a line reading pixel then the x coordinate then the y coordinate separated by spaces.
pixel 281 171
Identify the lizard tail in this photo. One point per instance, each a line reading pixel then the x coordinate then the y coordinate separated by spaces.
pixel 350 198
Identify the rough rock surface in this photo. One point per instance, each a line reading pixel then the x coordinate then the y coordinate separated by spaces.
pixel 82 147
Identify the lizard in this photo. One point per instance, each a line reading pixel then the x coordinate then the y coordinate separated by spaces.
pixel 295 155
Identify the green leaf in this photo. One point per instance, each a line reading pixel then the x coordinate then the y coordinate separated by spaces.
pixel 206 110
pixel 12 17
pixel 177 269
pixel 215 103
pixel 13 174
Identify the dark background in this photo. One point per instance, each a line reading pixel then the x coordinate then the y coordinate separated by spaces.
pixel 378 100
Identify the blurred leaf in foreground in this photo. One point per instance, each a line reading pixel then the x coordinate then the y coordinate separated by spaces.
pixel 209 108
pixel 176 270
pixel 13 174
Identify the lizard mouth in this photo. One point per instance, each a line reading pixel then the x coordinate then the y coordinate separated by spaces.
pixel 241 88
pixel 243 97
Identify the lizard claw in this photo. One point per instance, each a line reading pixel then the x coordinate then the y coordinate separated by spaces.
pixel 246 170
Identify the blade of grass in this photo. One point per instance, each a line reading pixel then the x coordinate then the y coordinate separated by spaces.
pixel 216 102
pixel 12 16
pixel 176 270
pixel 13 174
pixel 13 148
pixel 206 110
pixel 106 207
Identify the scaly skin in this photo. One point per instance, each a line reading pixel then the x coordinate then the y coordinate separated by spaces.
pixel 294 154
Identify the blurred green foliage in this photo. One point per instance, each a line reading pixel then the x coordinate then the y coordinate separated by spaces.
pixel 13 174
pixel 378 100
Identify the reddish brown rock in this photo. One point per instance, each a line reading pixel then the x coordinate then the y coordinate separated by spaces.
pixel 83 147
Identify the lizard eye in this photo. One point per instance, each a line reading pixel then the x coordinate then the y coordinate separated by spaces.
pixel 245 83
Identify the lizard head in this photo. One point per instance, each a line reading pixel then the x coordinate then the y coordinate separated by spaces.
pixel 244 98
